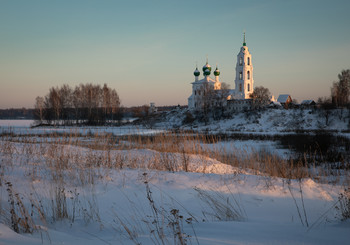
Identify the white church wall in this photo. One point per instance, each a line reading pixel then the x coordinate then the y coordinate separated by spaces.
pixel 244 83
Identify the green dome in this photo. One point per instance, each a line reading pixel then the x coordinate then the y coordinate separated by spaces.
pixel 196 73
pixel 207 72
pixel 216 72
pixel 207 66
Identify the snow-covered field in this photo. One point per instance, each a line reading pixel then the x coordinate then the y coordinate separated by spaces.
pixel 73 194
pixel 269 213
pixel 105 197
pixel 24 127
pixel 16 123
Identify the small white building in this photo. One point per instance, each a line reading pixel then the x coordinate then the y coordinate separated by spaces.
pixel 152 108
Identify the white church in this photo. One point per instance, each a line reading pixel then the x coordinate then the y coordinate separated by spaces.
pixel 239 98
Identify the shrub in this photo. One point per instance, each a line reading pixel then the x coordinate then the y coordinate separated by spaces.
pixel 344 205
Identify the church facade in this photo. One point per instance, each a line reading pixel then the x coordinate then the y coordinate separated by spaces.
pixel 201 87
pixel 238 98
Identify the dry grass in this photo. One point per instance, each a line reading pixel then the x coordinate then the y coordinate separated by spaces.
pixel 58 151
pixel 163 226
pixel 222 208
pixel 71 160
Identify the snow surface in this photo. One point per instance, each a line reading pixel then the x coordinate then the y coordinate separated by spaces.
pixel 269 121
pixel 16 123
pixel 268 212
pixel 24 127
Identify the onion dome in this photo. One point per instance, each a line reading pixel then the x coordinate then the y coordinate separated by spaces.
pixel 216 72
pixel 196 73
pixel 207 72
pixel 207 66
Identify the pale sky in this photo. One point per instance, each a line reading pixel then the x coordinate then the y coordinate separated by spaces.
pixel 147 50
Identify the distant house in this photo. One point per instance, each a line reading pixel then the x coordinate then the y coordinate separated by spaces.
pixel 308 104
pixel 285 100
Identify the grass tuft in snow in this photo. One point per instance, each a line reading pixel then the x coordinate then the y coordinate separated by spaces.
pixel 163 226
pixel 222 208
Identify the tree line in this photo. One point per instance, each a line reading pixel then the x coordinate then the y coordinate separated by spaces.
pixel 339 97
pixel 340 91
pixel 17 113
pixel 86 104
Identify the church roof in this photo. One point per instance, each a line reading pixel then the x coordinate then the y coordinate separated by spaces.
pixel 204 80
pixel 308 102
pixel 282 98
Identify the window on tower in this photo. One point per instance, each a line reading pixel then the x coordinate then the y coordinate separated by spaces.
pixel 248 61
pixel 248 87
pixel 240 88
pixel 240 76
pixel 240 61
pixel 248 75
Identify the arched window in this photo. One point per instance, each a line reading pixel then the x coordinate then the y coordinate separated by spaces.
pixel 248 61
pixel 195 92
pixel 240 61
pixel 240 88
pixel 248 87
pixel 248 75
pixel 240 75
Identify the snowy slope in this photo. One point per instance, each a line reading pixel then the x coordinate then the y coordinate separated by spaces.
pixel 117 199
pixel 265 121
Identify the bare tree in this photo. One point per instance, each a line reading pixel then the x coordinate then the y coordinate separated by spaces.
pixel 106 100
pixel 325 106
pixel 87 103
pixel 215 100
pixel 261 97
pixel 39 109
pixel 114 105
pixel 65 95
pixel 341 90
pixel 77 102
pixel 54 103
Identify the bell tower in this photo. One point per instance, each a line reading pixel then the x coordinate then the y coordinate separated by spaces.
pixel 244 82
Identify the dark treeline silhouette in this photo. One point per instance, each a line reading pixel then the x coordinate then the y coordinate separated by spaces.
pixel 17 113
pixel 86 104
pixel 340 94
pixel 340 91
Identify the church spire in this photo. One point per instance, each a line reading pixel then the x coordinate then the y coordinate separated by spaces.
pixel 244 43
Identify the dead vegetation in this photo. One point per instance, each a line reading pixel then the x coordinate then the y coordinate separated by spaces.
pixel 71 161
